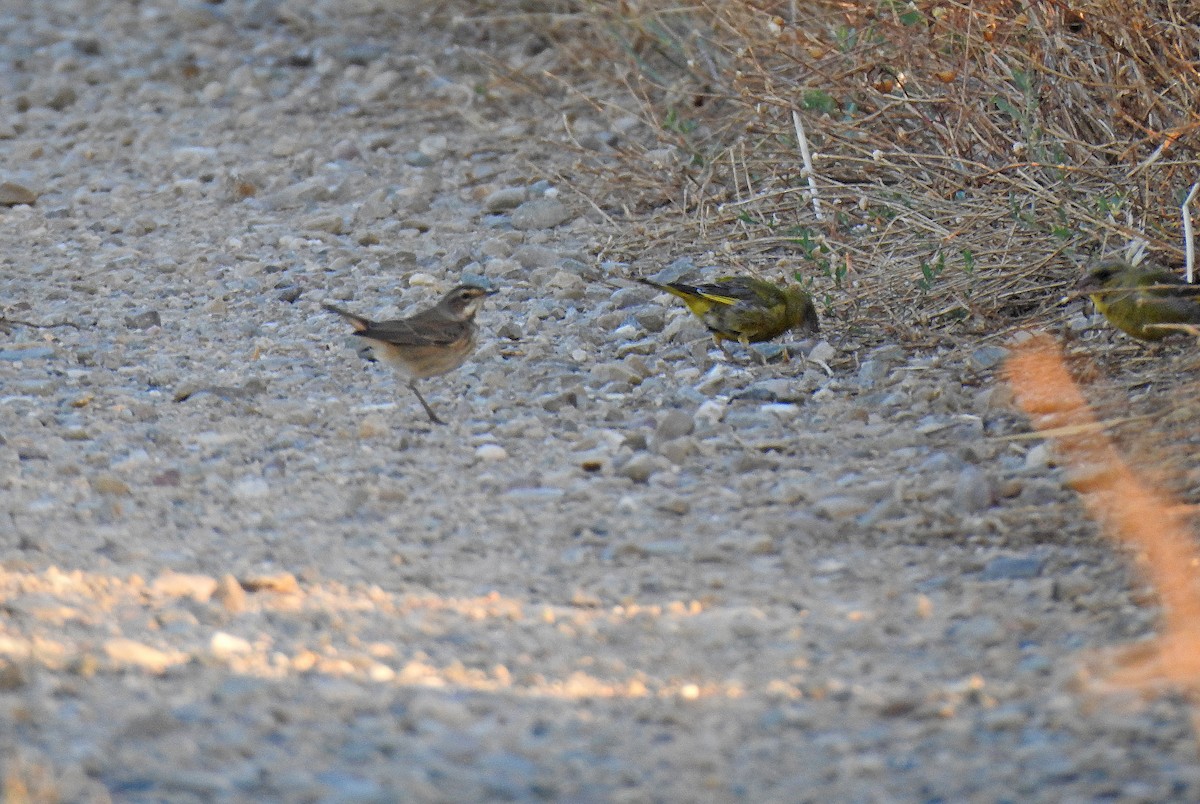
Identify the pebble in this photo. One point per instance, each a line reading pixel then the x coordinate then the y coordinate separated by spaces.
pixel 124 651
pixel 1039 457
pixel 710 413
pixel 145 320
pixel 380 88
pixel 673 424
pixel 251 487
pixel 12 194
pixel 434 146
pixel 180 584
pixel 988 357
pixel 973 491
pixel 1012 568
pixel 540 213
pixel 641 466
pixel 534 256
pixel 111 484
pixel 225 645
pixel 491 452
pixel 504 199
pixel 780 390
pixel 27 353
pixel 842 506
pixel 230 594
pixel 418 159
pixel 12 677
pixel 823 352
pixel 676 450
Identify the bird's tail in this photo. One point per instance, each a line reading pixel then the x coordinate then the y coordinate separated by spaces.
pixel 675 288
pixel 357 321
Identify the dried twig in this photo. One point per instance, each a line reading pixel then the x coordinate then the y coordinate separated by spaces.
pixel 802 141
pixel 1189 244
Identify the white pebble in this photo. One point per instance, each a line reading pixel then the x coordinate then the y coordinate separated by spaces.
pixel 223 645
pixel 711 411
pixel 491 452
pixel 250 487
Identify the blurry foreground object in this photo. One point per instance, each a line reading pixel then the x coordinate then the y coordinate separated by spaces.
pixel 1129 508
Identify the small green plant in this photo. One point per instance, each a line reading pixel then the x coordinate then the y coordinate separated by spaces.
pixel 818 100
pixel 968 258
pixel 930 271
pixel 802 237
pixel 679 125
pixel 847 38
pixel 1113 204
pixel 1061 229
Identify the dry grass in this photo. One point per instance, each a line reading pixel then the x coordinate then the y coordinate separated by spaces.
pixel 969 155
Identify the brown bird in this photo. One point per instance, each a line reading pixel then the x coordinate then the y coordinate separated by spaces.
pixel 432 342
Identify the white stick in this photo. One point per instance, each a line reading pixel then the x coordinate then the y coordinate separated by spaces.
pixel 808 166
pixel 1189 244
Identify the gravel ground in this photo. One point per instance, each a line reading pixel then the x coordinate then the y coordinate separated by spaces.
pixel 239 564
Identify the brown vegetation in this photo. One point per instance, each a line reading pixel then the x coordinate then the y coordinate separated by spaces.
pixel 967 156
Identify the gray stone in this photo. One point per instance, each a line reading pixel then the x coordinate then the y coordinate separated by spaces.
pixel 27 353
pixel 988 357
pixel 1012 568
pixel 418 159
pixel 534 256
pixel 673 424
pixel 145 320
pixel 973 491
pixel 540 213
pixel 641 466
pixel 774 391
pixel 504 199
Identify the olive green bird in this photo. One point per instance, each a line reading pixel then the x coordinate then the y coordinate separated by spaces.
pixel 745 309
pixel 1141 299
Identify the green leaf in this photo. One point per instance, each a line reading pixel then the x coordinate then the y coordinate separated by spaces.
pixel 819 101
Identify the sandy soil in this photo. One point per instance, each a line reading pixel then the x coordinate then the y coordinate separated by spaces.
pixel 238 564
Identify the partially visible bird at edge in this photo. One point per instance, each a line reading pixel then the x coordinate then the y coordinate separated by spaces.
pixel 1145 301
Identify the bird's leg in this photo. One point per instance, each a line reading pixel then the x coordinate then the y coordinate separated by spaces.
pixel 428 410
pixel 720 343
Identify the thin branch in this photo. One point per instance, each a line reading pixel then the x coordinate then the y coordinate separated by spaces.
pixel 1189 243
pixel 802 140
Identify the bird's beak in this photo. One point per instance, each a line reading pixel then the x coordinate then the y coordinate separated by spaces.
pixel 1087 282
pixel 491 292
